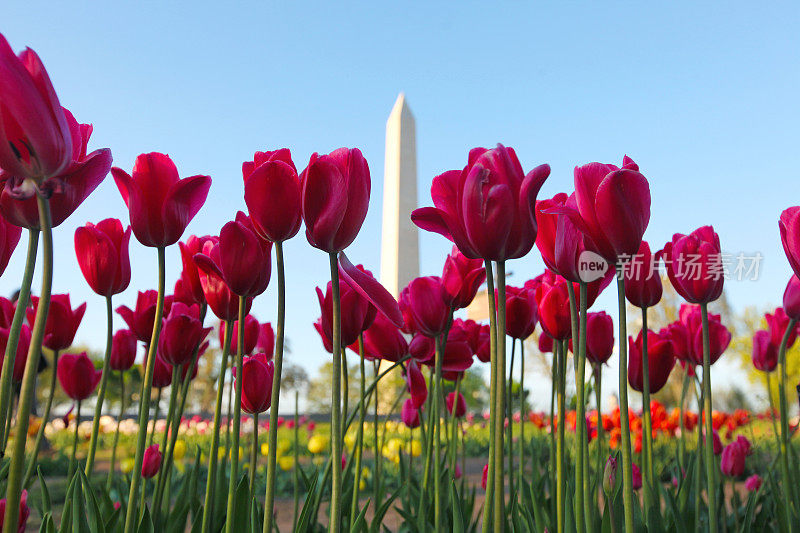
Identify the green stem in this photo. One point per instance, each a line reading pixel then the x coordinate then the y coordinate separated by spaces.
pixel 522 414
pixel 29 470
pixel 163 472
pixel 376 479
pixel 488 505
pixel 647 441
pixel 787 483
pixel 208 500
pixel 560 450
pixel 768 377
pixel 26 395
pixel 156 413
pixel 709 444
pixel 598 385
pixel 454 428
pixel 237 418
pixel 101 393
pixel 581 477
pixel 112 467
pixel 144 406
pixel 272 437
pixel 509 416
pixel 335 523
pixel 437 463
pixel 13 335
pixel 359 433
pixel 551 460
pixel 498 519
pixel 682 452
pixel 254 457
pixel 627 469
pixel 73 457
pixel 698 478
pixel 296 487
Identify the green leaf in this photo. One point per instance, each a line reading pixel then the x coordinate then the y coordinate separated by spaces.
pixel 304 520
pixel 95 519
pixel 46 502
pixel 241 506
pixel 146 523
pixel 360 523
pixel 79 524
pixel 47 524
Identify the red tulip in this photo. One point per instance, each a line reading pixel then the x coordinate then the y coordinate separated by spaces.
pixel 383 340
pixel 484 476
pixel 548 226
pixel 266 339
pixel 462 277
pixel 789 226
pixel 257 374
pixel 552 297
pixel 194 245
pixel 642 281
pixel 151 463
pixel 364 283
pixel 428 305
pixel 7 308
pixel 546 343
pixel 24 510
pixel 240 257
pixel 102 252
pixel 777 323
pixel 35 140
pixel 791 298
pixel 614 207
pixel 637 477
pixel 193 364
pixel 77 375
pixel 599 337
pixel 732 460
pixel 140 320
pixel 162 372
pixel 521 312
pixel 335 191
pixel 694 265
pixel 765 353
pixel 409 414
pixel 67 190
pixel 62 321
pixel 753 483
pixel 416 384
pixel 660 358
pixel 272 194
pixel 222 301
pixel 327 343
pixel 183 292
pixel 460 405
pixel 22 350
pixel 719 336
pixel 9 238
pixel 357 313
pixel 477 336
pixel 161 205
pixel 457 352
pixel 488 208
pixel 252 330
pixel 123 350
pixel 181 334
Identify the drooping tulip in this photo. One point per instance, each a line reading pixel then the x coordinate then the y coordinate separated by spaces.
pixel 335 190
pixel 123 350
pixel 140 319
pixel 77 375
pixel 257 374
pixel 241 258
pixel 777 324
pixel 521 312
pixel 252 330
pixel 694 265
pixel 151 463
pixel 383 340
pixel 428 305
pixel 614 207
pixel 22 350
pixel 272 194
pixel 599 337
pixel 161 204
pixel 460 404
pixel 416 384
pixel 62 321
pixel 102 252
pixel 461 278
pixel 410 414
pixel 181 333
pixel 35 140
pixel 488 208
pixel 765 353
pixel 642 281
pixel 192 246
pixel 660 357
pixel 791 298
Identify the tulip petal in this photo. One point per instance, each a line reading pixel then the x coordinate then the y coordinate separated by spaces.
pixel 369 288
pixel 324 201
pixel 81 180
pixel 623 210
pixel 431 219
pixel 183 201
pixel 96 257
pixel 272 195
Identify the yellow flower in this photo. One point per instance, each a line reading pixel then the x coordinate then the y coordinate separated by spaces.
pixel 416 448
pixel 317 444
pixel 283 446
pixel 33 425
pixel 127 465
pixel 180 450
pixel 395 445
pixel 241 453
pixel 221 453
pixel 362 485
pixel 265 449
pixel 350 441
pixel 286 463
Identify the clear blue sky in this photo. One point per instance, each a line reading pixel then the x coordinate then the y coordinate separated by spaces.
pixel 704 98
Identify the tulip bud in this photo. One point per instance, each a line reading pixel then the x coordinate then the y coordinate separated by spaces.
pixel 694 265
pixel 791 298
pixel 102 252
pixel 77 375
pixel 637 476
pixel 410 414
pixel 753 483
pixel 484 476
pixel 610 475
pixel 123 350
pixel 151 462
pixel 460 405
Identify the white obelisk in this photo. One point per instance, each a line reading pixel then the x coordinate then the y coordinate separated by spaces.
pixel 399 239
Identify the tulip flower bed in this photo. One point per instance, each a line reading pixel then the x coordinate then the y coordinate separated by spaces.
pixel 431 466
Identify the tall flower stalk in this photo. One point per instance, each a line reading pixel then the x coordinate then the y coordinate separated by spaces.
pixel 785 435
pixel 625 422
pixel 711 468
pixel 359 432
pixel 237 417
pixel 101 394
pixel 45 419
pixel 488 506
pixel 336 401
pixel 649 476
pixel 15 474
